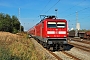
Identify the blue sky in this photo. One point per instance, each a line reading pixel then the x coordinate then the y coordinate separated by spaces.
pixel 31 9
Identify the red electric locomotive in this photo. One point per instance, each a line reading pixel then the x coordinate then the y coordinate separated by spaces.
pixel 51 32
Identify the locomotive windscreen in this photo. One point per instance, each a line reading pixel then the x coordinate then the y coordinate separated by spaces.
pixel 51 24
pixel 61 24
pixel 56 24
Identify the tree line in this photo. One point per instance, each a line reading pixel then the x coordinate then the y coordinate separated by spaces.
pixel 9 23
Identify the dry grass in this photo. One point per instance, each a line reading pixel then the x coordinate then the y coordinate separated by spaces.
pixel 15 47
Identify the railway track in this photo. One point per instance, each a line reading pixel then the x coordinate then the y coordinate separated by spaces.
pixel 65 53
pixel 55 55
pixel 70 56
pixel 73 57
pixel 65 56
pixel 83 41
pixel 80 40
pixel 80 47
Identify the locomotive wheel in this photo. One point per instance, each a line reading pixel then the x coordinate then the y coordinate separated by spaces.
pixel 51 48
pixel 38 40
pixel 41 42
pixel 61 47
pixel 47 46
pixel 56 46
pixel 44 45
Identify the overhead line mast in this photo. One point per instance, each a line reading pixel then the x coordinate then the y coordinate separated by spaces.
pixel 19 19
pixel 76 32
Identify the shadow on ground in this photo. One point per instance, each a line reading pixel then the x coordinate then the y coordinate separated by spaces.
pixel 67 47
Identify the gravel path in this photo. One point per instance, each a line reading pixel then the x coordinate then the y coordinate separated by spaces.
pixel 42 51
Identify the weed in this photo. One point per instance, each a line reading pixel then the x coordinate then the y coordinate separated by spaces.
pixel 15 47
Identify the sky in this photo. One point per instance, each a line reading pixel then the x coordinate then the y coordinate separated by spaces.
pixel 30 11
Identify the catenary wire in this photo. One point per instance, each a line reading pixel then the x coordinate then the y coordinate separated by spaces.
pixel 52 6
pixel 46 5
pixel 72 6
pixel 77 11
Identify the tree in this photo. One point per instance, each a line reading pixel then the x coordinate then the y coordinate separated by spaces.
pixel 2 16
pixel 9 24
pixel 15 23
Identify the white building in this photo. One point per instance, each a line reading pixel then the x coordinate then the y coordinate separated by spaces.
pixel 78 26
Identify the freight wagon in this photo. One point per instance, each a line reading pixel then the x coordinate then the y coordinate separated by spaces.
pixel 84 35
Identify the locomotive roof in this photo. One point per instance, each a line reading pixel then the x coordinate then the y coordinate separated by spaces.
pixel 48 19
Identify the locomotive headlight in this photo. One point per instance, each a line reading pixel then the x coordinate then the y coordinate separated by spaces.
pixel 47 36
pixel 64 36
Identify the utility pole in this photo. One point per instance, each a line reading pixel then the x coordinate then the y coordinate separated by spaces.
pixel 56 12
pixel 19 20
pixel 76 31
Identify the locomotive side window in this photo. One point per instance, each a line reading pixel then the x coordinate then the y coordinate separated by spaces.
pixel 51 25
pixel 61 24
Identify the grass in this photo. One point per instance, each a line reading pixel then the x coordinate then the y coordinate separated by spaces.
pixel 15 47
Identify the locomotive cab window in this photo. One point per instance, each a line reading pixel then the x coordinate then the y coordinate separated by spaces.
pixel 61 24
pixel 51 24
